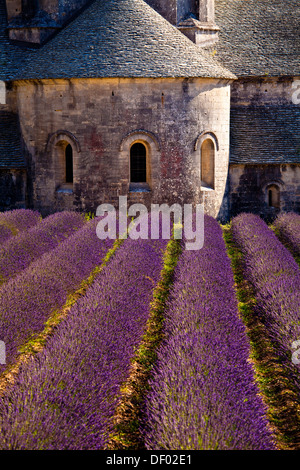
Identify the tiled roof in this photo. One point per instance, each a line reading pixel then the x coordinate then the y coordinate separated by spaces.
pixel 11 57
pixel 127 38
pixel 10 147
pixel 262 134
pixel 111 38
pixel 259 37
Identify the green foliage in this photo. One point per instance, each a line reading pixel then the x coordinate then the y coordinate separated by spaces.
pixel 89 216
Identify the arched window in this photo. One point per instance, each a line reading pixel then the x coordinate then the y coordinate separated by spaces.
pixel 69 163
pixel 149 162
pixel 273 196
pixel 63 150
pixel 138 163
pixel 208 164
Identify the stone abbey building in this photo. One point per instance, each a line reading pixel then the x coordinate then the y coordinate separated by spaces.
pixel 184 101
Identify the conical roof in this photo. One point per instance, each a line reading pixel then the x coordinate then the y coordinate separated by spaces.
pixel 118 38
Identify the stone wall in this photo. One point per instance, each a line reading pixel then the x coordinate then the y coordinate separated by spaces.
pixel 264 91
pixel 264 149
pixel 59 10
pixel 13 8
pixel 13 181
pixel 248 188
pixel 12 189
pixel 166 8
pixel 178 10
pixel 101 118
pixel 186 8
pixel 34 22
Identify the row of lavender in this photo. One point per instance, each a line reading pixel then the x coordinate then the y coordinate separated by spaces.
pixel 275 276
pixel 18 252
pixel 17 221
pixel 288 227
pixel 203 393
pixel 29 298
pixel 66 397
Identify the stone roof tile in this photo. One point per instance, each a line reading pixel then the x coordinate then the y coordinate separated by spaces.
pixel 265 134
pixel 113 38
pixel 259 37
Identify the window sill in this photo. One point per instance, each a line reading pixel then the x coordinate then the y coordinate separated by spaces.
pixel 139 188
pixel 66 188
pixel 206 188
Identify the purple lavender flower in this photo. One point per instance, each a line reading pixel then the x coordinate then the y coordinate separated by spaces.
pixel 5 233
pixel 203 394
pixel 18 252
pixel 65 397
pixel 275 276
pixel 288 225
pixel 17 221
pixel 28 299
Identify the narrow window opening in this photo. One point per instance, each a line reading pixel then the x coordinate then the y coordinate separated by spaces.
pixel 273 196
pixel 69 164
pixel 270 197
pixel 138 163
pixel 208 164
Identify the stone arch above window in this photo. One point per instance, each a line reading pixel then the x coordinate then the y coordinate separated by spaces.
pixel 139 135
pixel 63 148
pixel 143 146
pixel 60 135
pixel 205 135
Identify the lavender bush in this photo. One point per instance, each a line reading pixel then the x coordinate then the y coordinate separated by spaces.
pixel 17 221
pixel 275 276
pixel 20 251
pixel 66 396
pixel 203 394
pixel 288 226
pixel 5 233
pixel 28 299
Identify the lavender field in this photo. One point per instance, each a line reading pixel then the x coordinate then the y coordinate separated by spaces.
pixel 83 318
